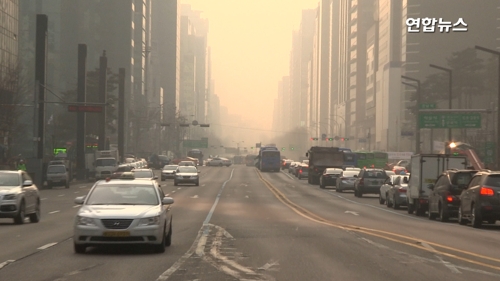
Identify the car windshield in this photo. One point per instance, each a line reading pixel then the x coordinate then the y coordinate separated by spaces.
pixel 462 178
pixel 375 174
pixel 350 174
pixel 143 174
pixel 123 195
pixel 105 162
pixel 124 169
pixel 188 169
pixel 170 168
pixel 10 179
pixel 56 169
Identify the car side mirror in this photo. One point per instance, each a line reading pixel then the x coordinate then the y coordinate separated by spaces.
pixel 430 186
pixel 79 200
pixel 155 177
pixel 167 201
pixel 355 176
pixel 27 183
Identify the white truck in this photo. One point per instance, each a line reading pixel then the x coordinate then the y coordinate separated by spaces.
pixel 105 163
pixel 425 169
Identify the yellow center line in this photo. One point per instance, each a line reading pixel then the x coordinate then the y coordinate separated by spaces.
pixel 375 232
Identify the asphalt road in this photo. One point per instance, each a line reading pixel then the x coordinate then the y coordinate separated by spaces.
pixel 240 224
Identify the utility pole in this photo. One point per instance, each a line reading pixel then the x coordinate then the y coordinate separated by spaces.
pixel 103 66
pixel 417 114
pixel 121 113
pixel 42 22
pixel 80 119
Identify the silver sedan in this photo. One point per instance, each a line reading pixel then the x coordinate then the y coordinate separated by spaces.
pixel 123 211
pixel 19 197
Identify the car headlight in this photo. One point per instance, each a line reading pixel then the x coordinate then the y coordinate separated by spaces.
pixel 84 221
pixel 150 221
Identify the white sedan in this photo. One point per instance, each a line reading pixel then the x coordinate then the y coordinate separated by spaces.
pixel 123 211
pixel 219 161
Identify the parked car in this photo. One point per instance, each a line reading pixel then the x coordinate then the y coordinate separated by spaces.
pixel 444 198
pixel 123 211
pixel 168 172
pixel 329 177
pixel 303 171
pixel 369 181
pixel 19 197
pixel 187 174
pixel 346 180
pixel 480 201
pixel 384 189
pixel 57 175
pixel 396 196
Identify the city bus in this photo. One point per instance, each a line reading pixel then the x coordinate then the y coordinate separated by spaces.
pixel 375 159
pixel 269 159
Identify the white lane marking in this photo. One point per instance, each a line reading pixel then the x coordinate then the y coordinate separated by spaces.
pixel 246 196
pixel 76 206
pixel 287 175
pixel 53 212
pixel 351 212
pixel 178 188
pixel 449 265
pixel 173 191
pixel 60 195
pixel 167 194
pixel 375 244
pixel 268 265
pixel 200 248
pixel 5 263
pixel 41 199
pixel 76 191
pixel 196 196
pixel 196 245
pixel 47 246
pixel 82 187
pixel 203 185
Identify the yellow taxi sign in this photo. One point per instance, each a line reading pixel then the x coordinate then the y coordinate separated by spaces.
pixel 127 175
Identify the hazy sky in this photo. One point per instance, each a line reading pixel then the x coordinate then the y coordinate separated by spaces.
pixel 250 42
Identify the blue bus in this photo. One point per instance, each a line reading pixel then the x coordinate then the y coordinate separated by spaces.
pixel 350 158
pixel 269 159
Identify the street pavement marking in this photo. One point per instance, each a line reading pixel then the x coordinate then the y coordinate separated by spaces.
pixel 5 263
pixel 82 187
pixel 41 199
pixel 444 250
pixel 76 191
pixel 246 196
pixel 351 212
pixel 196 244
pixel 196 196
pixel 47 246
pixel 53 212
pixel 178 188
pixel 60 195
pixel 76 206
pixel 203 185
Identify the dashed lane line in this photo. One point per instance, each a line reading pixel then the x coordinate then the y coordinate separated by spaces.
pixel 47 246
pixel 53 212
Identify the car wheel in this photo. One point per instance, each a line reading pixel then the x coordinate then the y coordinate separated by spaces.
pixel 79 248
pixel 35 217
pixel 431 215
pixel 475 218
pixel 355 192
pixel 19 219
pixel 395 204
pixel 175 183
pixel 381 200
pixel 444 215
pixel 411 208
pixel 388 201
pixel 67 185
pixel 197 183
pixel 300 177
pixel 168 241
pixel 461 219
pixel 160 248
pixel 220 164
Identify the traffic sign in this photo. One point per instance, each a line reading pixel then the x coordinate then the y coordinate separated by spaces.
pixel 85 108
pixel 449 120
pixel 203 143
pixel 427 106
pixel 323 136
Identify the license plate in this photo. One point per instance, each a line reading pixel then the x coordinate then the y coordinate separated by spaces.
pixel 116 233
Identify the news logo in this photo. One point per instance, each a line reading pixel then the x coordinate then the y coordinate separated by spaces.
pixel 429 25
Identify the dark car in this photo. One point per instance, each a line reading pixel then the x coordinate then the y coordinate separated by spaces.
pixel 444 199
pixel 480 201
pixel 121 170
pixel 329 177
pixel 303 171
pixel 369 181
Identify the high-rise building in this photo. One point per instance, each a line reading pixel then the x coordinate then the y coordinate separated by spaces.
pixel 306 34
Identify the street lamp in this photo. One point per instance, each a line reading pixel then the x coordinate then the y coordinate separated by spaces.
pixel 498 114
pixel 450 89
pixel 417 115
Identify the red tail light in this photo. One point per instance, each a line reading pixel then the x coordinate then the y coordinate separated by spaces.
pixel 449 198
pixel 402 190
pixel 300 171
pixel 486 191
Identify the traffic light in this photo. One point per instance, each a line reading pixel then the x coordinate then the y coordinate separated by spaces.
pixel 292 148
pixel 342 139
pixel 346 139
pixel 314 139
pixel 282 149
pixel 330 139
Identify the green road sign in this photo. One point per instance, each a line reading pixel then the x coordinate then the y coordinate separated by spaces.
pixel 449 120
pixel 427 106
pixel 489 152
pixel 203 143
